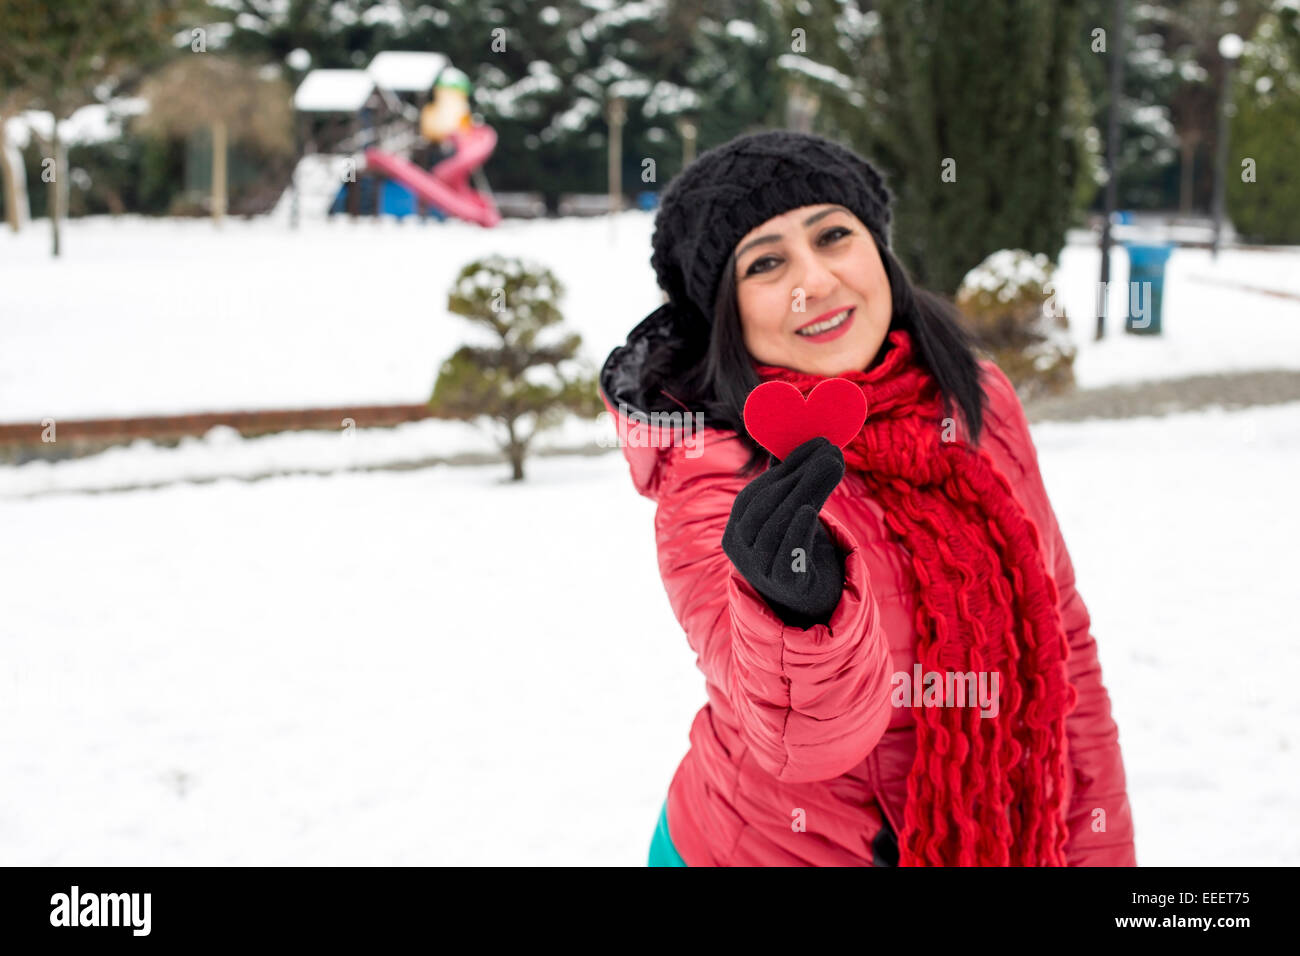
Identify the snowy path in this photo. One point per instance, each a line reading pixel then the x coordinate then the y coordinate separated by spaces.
pixel 432 667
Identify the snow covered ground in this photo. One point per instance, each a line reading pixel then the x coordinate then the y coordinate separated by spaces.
pixel 435 667
pixel 143 317
pixel 157 317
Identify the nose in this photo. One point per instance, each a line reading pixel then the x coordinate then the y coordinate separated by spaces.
pixel 818 281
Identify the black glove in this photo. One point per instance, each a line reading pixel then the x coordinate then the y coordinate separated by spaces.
pixel 776 513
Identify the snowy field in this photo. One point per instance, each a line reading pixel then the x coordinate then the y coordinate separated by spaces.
pixel 434 666
pixel 167 316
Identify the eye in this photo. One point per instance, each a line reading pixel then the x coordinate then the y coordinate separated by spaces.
pixel 833 234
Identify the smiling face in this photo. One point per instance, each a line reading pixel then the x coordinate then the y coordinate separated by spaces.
pixel 827 253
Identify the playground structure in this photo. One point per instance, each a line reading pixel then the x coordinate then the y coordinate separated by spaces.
pixel 374 140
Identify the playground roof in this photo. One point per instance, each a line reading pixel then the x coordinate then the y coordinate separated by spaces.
pixel 333 91
pixel 406 72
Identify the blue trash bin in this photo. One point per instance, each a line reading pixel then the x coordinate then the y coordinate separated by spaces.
pixel 1146 286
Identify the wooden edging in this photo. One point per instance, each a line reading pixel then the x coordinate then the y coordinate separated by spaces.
pixel 102 432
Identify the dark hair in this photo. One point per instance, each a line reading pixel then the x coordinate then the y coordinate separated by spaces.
pixel 721 375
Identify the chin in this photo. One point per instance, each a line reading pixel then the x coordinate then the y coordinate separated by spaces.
pixel 846 361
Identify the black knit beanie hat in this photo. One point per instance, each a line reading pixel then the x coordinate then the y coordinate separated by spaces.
pixel 731 189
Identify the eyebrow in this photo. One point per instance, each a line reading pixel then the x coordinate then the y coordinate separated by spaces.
pixel 774 238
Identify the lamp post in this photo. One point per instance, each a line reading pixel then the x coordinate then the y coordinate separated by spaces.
pixel 1230 46
pixel 300 61
pixel 616 114
pixel 1112 164
pixel 688 133
pixel 801 107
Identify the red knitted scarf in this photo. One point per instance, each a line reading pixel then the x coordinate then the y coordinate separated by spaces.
pixel 983 790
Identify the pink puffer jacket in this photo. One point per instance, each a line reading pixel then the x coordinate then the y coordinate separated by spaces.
pixel 798 758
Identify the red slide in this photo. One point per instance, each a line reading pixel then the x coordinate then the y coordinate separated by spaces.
pixel 447 184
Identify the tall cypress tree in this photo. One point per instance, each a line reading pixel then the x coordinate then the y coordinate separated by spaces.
pixel 983 100
pixel 973 112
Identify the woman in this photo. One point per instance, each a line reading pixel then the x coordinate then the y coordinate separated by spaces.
pixel 844 606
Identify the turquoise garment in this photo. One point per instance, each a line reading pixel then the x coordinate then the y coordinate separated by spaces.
pixel 662 851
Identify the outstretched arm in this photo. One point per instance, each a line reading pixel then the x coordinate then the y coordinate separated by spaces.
pixel 811 702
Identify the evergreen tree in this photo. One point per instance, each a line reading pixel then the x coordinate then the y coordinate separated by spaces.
pixel 524 384
pixel 1169 110
pixel 1263 174
pixel 546 90
pixel 974 112
pixel 978 101
pixel 339 34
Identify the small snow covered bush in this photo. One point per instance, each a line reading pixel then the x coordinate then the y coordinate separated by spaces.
pixel 1008 302
pixel 531 375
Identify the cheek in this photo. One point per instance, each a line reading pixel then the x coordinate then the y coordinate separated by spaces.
pixel 873 271
pixel 875 285
pixel 763 309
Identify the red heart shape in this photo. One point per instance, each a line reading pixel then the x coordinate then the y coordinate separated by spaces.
pixel 780 419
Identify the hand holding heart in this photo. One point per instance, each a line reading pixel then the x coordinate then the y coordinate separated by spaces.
pixel 774 536
pixel 777 541
pixel 780 419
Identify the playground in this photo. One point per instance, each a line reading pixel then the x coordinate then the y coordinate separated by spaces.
pixel 397 139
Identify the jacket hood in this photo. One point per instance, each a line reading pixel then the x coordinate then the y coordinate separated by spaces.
pixel 653 427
